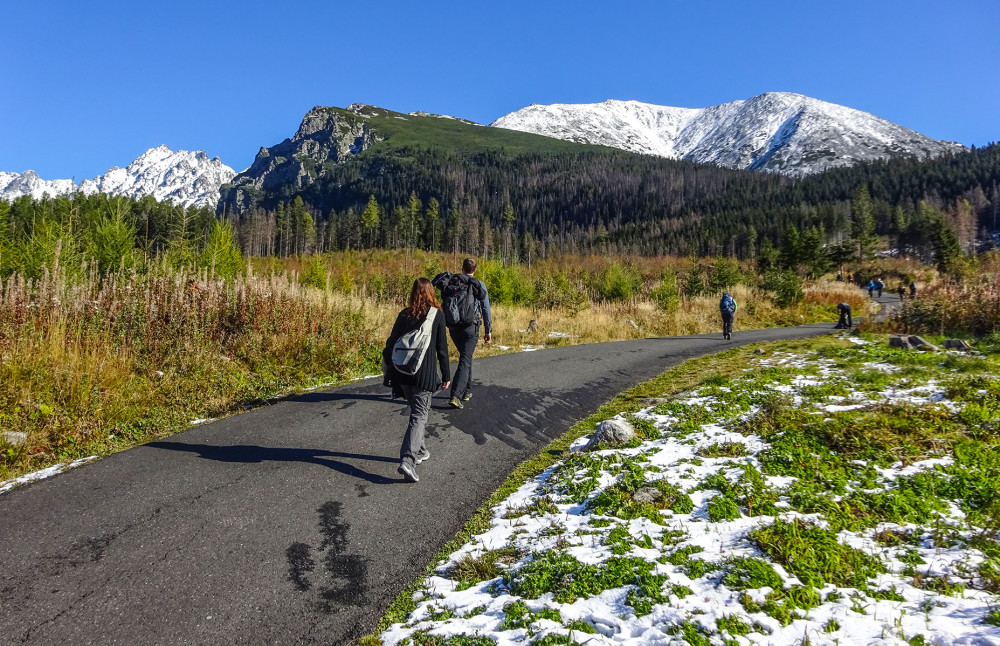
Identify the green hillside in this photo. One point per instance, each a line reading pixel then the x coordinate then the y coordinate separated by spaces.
pixel 571 196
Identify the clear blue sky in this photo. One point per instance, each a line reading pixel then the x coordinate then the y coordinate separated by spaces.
pixel 90 85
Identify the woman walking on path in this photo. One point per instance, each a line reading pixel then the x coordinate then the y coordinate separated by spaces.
pixel 419 387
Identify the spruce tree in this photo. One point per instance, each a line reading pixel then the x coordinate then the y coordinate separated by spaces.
pixel 370 220
pixel 863 224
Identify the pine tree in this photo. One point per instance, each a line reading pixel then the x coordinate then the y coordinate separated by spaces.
pixel 296 211
pixel 508 233
pixel 369 221
pixel 413 220
pixel 432 224
pixel 332 240
pixel 863 224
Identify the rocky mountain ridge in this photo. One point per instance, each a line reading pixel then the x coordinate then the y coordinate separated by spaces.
pixel 325 136
pixel 776 131
pixel 186 178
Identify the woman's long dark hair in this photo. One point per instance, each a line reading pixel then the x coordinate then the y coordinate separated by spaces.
pixel 422 298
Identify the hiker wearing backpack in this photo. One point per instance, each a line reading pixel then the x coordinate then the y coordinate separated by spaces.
pixel 466 305
pixel 727 308
pixel 416 340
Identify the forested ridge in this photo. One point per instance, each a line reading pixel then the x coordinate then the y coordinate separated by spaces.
pixel 445 185
pixel 448 185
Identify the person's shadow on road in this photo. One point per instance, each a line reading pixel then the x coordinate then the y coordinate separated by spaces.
pixel 250 454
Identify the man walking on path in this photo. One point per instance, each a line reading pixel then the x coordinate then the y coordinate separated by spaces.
pixel 727 308
pixel 466 305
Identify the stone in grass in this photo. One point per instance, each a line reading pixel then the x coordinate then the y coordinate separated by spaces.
pixel 647 495
pixel 609 433
pixel 957 344
pixel 15 438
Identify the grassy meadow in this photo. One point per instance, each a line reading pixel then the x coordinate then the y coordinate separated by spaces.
pixel 824 491
pixel 91 364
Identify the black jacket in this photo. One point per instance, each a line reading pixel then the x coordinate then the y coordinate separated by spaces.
pixel 483 313
pixel 426 377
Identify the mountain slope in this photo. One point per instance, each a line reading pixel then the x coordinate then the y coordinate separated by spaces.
pixel 186 178
pixel 777 131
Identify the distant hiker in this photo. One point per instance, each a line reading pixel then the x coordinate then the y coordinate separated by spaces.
pixel 845 322
pixel 901 291
pixel 466 305
pixel 850 278
pixel 411 368
pixel 840 276
pixel 913 290
pixel 727 308
pixel 878 286
pixel 871 288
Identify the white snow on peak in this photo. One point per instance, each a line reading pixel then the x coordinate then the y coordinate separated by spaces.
pixel 776 131
pixel 186 178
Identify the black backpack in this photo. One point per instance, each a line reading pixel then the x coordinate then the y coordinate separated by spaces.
pixel 458 300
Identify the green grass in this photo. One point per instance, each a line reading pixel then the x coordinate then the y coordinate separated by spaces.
pixel 745 573
pixel 458 136
pixel 815 556
pixel 567 579
pixel 832 458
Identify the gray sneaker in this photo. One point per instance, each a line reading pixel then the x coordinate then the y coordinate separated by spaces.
pixel 408 472
pixel 456 403
pixel 422 457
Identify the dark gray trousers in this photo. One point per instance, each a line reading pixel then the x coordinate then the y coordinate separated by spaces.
pixel 420 408
pixel 727 322
pixel 465 339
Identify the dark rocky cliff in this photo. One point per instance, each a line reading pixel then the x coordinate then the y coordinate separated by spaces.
pixel 325 136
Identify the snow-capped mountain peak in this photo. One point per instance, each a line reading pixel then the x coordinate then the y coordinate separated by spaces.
pixel 186 178
pixel 776 131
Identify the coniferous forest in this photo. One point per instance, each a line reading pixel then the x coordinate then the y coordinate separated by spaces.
pixel 448 186
pixel 529 206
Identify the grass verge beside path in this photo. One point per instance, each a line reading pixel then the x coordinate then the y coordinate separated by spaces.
pixel 830 491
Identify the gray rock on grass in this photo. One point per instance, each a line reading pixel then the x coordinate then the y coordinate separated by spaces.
pixel 610 433
pixel 15 438
pixel 647 495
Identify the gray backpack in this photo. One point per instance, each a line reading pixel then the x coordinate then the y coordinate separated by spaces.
pixel 409 350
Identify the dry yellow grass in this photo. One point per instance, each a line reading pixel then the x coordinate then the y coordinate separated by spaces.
pixel 108 362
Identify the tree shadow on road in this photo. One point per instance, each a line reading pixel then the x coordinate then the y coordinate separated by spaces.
pixel 345 400
pixel 250 454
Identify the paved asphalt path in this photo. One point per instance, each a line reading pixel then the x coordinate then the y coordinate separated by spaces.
pixel 289 524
